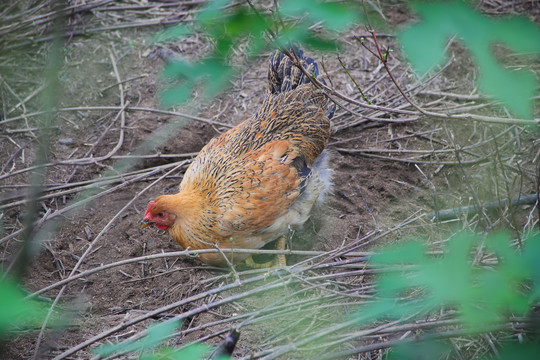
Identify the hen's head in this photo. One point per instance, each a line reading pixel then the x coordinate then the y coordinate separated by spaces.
pixel 158 214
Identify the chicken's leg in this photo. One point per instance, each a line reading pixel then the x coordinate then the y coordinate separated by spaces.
pixel 278 261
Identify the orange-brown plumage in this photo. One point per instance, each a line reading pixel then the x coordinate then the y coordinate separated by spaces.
pixel 249 185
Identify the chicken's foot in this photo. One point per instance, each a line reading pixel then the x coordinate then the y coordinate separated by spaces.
pixel 278 261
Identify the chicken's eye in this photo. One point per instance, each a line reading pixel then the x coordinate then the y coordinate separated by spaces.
pixel 160 214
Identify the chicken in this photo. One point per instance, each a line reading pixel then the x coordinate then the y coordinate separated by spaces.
pixel 250 185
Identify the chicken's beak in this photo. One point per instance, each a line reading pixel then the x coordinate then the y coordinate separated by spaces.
pixel 145 223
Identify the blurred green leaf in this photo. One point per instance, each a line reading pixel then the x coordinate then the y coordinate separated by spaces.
pixel 335 16
pixel 193 352
pixel 177 94
pixel 171 33
pixel 410 253
pixel 218 74
pixel 424 45
pixel 448 279
pixel 483 296
pixel 290 35
pixel 531 258
pixel 181 69
pixel 301 34
pixel 318 43
pixel 415 283
pixel 229 26
pixel 16 313
pixel 212 11
pixel 154 336
pixel 526 351
pixel 519 34
pixel 242 23
pixel 420 350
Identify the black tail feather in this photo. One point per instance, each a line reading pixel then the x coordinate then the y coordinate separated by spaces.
pixel 284 76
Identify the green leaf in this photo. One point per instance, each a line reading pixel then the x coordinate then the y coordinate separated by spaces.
pixel 482 296
pixel 531 254
pixel 171 34
pixel 526 351
pixel 519 34
pixel 412 252
pixel 243 23
pixel 301 34
pixel 290 35
pixel 449 279
pixel 335 16
pixel 16 313
pixel 181 69
pixel 228 26
pixel 177 94
pixel 212 11
pixel 420 350
pixel 218 75
pixel 155 335
pixel 192 352
pixel 424 45
pixel 319 43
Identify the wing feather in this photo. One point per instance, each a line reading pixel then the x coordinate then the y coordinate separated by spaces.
pixel 262 191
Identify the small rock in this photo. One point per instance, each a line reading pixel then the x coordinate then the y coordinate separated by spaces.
pixel 65 141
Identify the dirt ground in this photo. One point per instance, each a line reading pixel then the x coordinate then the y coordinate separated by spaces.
pixel 388 175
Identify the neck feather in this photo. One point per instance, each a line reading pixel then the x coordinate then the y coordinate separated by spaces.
pixel 182 205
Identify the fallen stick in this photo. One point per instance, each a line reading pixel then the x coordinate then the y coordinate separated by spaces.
pixel 470 210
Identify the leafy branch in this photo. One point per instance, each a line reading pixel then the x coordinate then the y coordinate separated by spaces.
pixel 244 24
pixel 424 45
